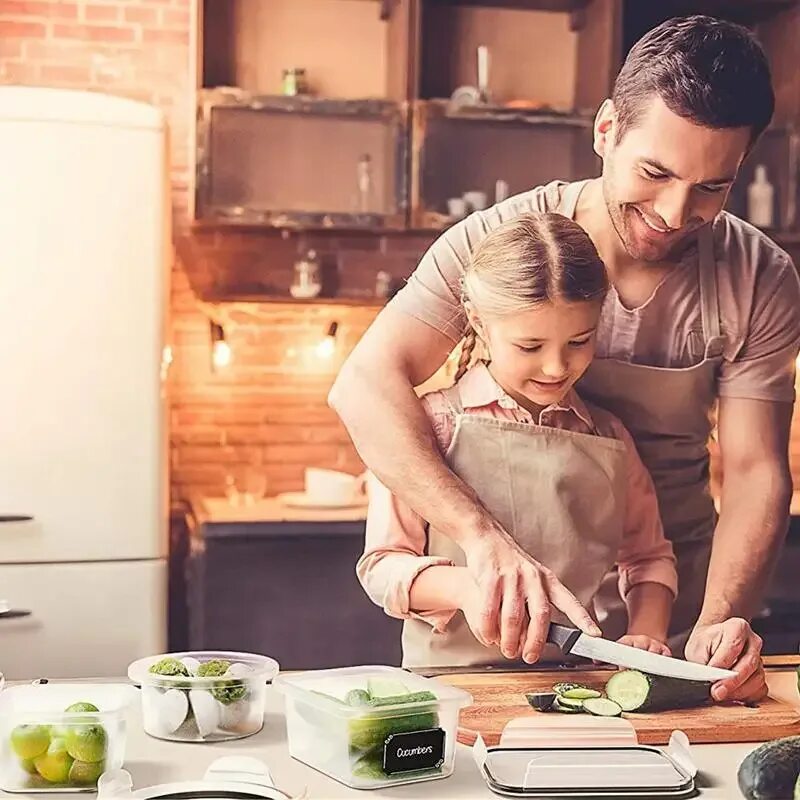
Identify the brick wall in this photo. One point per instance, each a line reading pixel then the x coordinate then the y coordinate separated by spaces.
pixel 268 407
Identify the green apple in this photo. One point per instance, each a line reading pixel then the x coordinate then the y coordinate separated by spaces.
pixel 30 741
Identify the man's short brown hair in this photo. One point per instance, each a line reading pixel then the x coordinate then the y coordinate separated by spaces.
pixel 707 70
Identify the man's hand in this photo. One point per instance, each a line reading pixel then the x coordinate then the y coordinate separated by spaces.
pixel 731 645
pixel 643 642
pixel 516 593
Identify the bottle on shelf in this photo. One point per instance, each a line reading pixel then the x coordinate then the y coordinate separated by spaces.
pixel 761 200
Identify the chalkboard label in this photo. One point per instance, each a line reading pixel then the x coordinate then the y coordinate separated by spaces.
pixel 408 752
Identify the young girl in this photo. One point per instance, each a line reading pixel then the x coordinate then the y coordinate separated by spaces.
pixel 561 476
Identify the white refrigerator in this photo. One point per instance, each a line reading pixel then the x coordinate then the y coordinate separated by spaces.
pixel 84 239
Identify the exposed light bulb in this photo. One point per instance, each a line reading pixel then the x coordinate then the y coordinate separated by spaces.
pixel 221 353
pixel 327 347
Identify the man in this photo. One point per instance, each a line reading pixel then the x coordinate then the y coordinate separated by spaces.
pixel 704 312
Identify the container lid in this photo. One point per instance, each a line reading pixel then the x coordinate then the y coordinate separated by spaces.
pixel 241 668
pixel 228 778
pixel 44 104
pixel 327 689
pixel 614 772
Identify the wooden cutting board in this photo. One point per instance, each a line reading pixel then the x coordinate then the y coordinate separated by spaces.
pixel 499 697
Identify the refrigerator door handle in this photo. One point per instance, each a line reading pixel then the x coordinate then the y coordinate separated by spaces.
pixel 6 612
pixel 15 518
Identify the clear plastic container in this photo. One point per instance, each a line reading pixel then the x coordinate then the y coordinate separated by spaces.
pixel 372 726
pixel 45 748
pixel 211 696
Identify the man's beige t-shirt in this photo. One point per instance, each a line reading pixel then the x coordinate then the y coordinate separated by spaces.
pixel 758 287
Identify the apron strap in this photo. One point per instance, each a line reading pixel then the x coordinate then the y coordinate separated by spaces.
pixel 453 399
pixel 709 298
pixel 569 198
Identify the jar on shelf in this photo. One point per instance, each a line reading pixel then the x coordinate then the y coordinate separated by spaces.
pixel 294 81
pixel 307 282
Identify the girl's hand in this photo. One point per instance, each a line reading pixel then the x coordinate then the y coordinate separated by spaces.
pixel 643 642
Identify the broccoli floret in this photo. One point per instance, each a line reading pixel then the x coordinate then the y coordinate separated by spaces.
pixel 211 669
pixel 169 666
pixel 226 692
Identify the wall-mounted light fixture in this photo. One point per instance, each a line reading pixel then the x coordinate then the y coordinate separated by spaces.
pixel 327 346
pixel 221 354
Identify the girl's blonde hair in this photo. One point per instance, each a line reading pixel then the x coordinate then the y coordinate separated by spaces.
pixel 532 259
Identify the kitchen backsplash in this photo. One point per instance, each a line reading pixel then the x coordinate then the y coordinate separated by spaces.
pixel 269 405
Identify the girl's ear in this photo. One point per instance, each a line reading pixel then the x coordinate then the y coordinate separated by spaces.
pixel 475 320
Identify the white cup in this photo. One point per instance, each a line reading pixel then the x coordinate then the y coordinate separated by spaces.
pixel 333 487
pixel 475 200
pixel 457 207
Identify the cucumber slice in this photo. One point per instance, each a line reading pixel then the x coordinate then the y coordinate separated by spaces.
pixel 541 701
pixel 601 707
pixel 570 702
pixel 560 688
pixel 385 687
pixel 578 692
pixel 357 697
pixel 565 709
pixel 637 691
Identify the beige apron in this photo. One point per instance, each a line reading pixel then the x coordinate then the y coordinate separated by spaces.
pixel 668 413
pixel 560 494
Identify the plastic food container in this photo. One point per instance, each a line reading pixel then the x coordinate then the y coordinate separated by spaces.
pixel 372 726
pixel 46 748
pixel 203 696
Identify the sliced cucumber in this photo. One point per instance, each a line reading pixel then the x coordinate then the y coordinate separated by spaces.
pixel 541 701
pixel 578 692
pixel 571 702
pixel 357 697
pixel 561 688
pixel 565 709
pixel 638 691
pixel 601 707
pixel 385 687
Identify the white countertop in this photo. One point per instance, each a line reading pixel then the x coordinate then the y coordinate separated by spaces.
pixel 151 761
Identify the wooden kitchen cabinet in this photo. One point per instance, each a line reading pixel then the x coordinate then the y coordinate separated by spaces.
pixel 301 162
pixel 470 150
pixel 287 590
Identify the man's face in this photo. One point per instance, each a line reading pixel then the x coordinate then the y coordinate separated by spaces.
pixel 665 178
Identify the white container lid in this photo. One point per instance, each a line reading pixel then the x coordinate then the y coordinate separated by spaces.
pixel 43 104
pixel 326 689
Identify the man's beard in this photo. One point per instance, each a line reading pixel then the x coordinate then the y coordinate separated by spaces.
pixel 618 214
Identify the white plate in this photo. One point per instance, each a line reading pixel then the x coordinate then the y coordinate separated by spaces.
pixel 302 500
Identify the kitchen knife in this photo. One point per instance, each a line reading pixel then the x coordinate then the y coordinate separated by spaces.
pixel 575 642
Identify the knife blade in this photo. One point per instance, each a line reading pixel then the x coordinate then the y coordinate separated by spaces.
pixel 571 640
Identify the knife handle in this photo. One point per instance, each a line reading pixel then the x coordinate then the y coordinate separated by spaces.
pixel 562 636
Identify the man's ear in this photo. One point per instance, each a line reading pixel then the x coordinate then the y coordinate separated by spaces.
pixel 605 122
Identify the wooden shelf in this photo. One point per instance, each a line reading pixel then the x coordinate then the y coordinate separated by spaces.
pixel 500 114
pixel 255 298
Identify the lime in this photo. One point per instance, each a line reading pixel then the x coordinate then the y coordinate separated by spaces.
pixel 30 741
pixel 85 708
pixel 55 764
pixel 85 772
pixel 28 765
pixel 86 742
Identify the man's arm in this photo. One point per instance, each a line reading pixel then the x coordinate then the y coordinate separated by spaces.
pixel 756 492
pixel 374 396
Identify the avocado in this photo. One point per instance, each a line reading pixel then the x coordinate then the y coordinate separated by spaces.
pixel 770 772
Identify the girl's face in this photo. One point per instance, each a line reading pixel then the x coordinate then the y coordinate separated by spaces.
pixel 537 355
